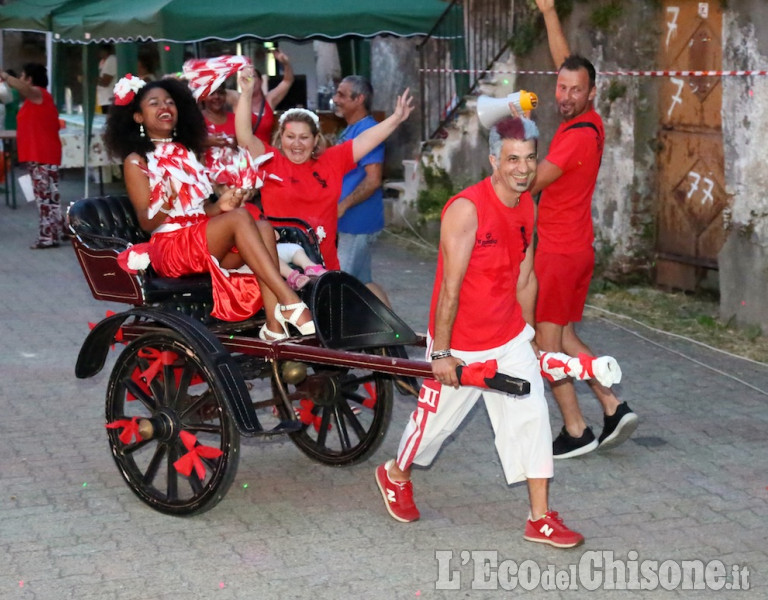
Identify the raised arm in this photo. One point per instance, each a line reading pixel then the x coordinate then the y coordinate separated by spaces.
pixel 558 45
pixel 370 138
pixel 243 125
pixel 25 88
pixel 275 96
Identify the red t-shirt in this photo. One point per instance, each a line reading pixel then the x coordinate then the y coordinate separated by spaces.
pixel 37 131
pixel 309 191
pixel 565 208
pixel 227 127
pixel 489 314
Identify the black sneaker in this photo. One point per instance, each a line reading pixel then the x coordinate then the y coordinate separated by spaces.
pixel 567 446
pixel 618 427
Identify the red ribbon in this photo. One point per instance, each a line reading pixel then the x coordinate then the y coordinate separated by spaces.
pixel 306 416
pixel 587 362
pixel 118 335
pixel 130 429
pixel 552 363
pixel 137 379
pixel 370 401
pixel 476 373
pixel 158 358
pixel 192 459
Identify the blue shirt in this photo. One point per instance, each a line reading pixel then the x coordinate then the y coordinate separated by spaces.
pixel 368 216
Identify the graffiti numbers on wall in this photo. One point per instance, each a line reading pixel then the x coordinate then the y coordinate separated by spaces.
pixel 674 12
pixel 706 187
pixel 677 98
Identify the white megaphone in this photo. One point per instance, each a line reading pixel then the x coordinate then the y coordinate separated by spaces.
pixel 490 110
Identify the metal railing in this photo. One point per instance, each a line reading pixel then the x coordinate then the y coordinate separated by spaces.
pixel 470 36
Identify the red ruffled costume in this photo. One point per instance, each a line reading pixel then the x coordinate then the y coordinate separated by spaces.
pixel 179 246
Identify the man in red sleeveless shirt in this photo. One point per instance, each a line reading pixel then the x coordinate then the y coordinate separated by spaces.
pixel 482 309
pixel 565 257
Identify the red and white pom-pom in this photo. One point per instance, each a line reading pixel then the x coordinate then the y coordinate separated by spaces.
pixel 236 168
pixel 557 365
pixel 125 89
pixel 206 74
pixel 175 175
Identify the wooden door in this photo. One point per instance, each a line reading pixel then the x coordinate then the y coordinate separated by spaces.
pixel 691 190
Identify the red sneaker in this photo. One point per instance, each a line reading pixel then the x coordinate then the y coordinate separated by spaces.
pixel 551 530
pixel 398 495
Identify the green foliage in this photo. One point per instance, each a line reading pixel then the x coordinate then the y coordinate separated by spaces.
pixel 438 189
pixel 616 90
pixel 529 27
pixel 603 16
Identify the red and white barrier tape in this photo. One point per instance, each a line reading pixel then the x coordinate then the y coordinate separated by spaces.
pixel 613 73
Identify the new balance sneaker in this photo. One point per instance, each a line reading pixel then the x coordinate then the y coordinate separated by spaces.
pixel 398 495
pixel 567 446
pixel 618 427
pixel 551 530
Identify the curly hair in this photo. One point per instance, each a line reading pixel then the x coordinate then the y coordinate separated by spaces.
pixel 122 137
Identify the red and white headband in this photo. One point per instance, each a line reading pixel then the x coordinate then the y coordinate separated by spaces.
pixel 126 88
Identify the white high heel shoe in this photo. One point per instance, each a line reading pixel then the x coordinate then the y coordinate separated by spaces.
pixel 270 336
pixel 296 309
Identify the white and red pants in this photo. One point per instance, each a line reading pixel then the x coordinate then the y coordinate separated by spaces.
pixel 520 423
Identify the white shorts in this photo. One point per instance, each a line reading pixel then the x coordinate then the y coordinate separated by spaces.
pixel 520 423
pixel 287 250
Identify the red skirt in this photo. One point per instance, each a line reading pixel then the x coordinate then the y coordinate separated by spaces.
pixel 236 296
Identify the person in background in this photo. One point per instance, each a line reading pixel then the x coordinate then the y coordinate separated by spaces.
pixel 264 102
pixel 144 70
pixel 12 101
pixel 107 77
pixel 565 256
pixel 38 145
pixel 361 205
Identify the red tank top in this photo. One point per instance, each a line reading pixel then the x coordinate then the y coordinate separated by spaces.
pixel 37 132
pixel 489 314
pixel 263 128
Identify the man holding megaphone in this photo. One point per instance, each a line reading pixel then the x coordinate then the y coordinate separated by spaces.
pixel 565 256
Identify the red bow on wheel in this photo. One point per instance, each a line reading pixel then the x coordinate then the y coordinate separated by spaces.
pixel 130 429
pixel 192 458
pixel 158 360
pixel 486 375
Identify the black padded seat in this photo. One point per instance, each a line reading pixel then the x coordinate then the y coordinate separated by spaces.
pixel 105 226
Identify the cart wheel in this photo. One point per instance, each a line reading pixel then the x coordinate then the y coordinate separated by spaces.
pixel 169 429
pixel 344 412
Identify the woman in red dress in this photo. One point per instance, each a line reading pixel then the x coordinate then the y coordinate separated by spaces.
pixel 158 130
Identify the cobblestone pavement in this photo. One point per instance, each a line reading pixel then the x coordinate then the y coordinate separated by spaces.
pixel 690 485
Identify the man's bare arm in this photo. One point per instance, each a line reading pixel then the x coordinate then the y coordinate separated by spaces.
pixel 558 45
pixel 546 173
pixel 457 240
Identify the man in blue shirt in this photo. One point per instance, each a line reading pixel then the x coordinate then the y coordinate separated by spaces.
pixel 361 209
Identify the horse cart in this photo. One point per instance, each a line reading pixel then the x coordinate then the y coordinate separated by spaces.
pixel 186 386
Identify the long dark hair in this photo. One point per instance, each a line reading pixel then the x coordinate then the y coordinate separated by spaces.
pixel 122 136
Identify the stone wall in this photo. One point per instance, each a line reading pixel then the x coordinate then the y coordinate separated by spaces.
pixel 743 261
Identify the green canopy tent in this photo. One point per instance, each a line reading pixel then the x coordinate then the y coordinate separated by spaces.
pixel 117 21
pixel 196 20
